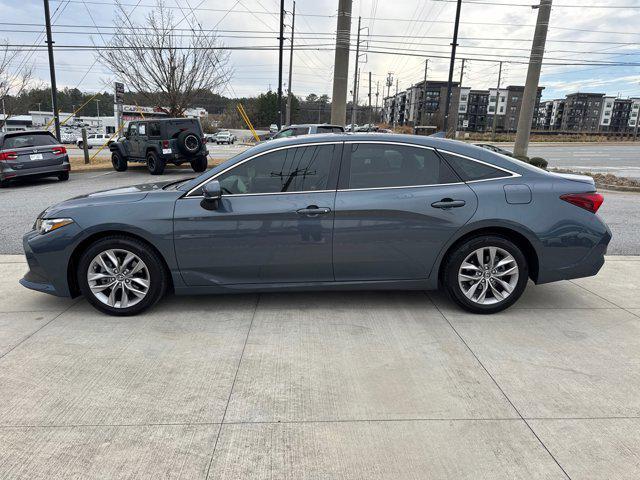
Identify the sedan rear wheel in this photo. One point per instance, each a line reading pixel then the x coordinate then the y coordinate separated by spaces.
pixel 486 274
pixel 121 276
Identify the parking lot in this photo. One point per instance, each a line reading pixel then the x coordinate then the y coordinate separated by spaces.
pixel 367 385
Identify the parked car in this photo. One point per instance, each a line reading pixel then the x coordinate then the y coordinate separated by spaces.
pixel 326 212
pixel 95 140
pixel 273 128
pixel 493 148
pixel 225 136
pixel 307 129
pixel 160 141
pixel 32 153
pixel 69 137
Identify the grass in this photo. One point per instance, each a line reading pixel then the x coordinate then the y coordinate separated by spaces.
pixel 104 163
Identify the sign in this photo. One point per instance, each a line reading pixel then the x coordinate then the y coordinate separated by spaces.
pixel 119 89
pixel 465 123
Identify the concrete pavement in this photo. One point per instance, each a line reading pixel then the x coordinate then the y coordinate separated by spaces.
pixel 366 385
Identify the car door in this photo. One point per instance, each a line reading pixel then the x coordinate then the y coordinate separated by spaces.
pixel 133 140
pixel 396 206
pixel 274 223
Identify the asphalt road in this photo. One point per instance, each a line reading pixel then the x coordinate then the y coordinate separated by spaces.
pixel 22 202
pixel 622 160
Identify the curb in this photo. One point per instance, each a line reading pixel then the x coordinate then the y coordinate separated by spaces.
pixel 618 188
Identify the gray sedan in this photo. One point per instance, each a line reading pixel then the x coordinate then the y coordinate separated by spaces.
pixel 363 211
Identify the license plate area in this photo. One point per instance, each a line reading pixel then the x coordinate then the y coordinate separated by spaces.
pixel 166 151
pixel 36 156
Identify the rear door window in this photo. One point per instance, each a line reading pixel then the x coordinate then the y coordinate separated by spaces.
pixel 471 170
pixel 175 127
pixel 154 129
pixel 375 165
pixel 29 140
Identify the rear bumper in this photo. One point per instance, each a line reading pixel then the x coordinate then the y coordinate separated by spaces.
pixel 8 173
pixel 588 266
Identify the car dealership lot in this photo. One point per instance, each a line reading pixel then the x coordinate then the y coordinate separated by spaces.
pixel 324 385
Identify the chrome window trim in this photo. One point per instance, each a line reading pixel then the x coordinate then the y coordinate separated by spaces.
pixel 200 185
pixel 403 186
pixel 511 174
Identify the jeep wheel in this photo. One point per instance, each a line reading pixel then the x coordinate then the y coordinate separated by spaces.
pixel 199 164
pixel 155 164
pixel 119 164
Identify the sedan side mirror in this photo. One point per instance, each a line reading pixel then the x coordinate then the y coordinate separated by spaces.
pixel 212 193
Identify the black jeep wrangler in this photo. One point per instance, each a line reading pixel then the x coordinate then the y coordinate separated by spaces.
pixel 160 141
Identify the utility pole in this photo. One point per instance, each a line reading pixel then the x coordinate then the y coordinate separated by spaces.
pixel 370 111
pixel 396 110
pixel 462 72
pixel 52 70
pixel 341 64
pixel 424 93
pixel 454 44
pixel 98 107
pixel 290 94
pixel 495 112
pixel 377 95
pixel 354 103
pixel 280 52
pixel 533 77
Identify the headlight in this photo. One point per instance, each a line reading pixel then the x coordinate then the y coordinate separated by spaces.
pixel 46 225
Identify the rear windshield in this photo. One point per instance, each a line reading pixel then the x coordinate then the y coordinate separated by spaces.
pixel 330 129
pixel 29 140
pixel 174 128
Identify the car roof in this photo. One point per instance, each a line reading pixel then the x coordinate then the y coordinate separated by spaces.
pixel 313 125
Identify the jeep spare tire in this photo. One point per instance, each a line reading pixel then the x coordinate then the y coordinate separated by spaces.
pixel 189 143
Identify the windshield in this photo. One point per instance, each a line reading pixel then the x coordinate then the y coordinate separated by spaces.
pixel 29 140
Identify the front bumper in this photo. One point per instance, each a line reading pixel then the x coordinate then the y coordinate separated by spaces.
pixel 48 260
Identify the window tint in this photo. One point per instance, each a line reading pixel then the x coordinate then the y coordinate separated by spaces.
pixel 284 133
pixel 154 129
pixel 288 170
pixel 329 129
pixel 386 165
pixel 300 131
pixel 29 140
pixel 470 170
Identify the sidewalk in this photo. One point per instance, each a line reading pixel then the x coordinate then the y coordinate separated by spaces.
pixel 350 385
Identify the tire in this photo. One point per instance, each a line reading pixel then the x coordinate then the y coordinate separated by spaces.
pixel 189 142
pixel 4 183
pixel 119 162
pixel 155 164
pixel 63 177
pixel 151 271
pixel 501 289
pixel 199 164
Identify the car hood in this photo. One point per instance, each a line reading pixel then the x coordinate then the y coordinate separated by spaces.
pixel 133 193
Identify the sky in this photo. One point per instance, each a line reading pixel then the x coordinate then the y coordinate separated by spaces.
pixel 581 35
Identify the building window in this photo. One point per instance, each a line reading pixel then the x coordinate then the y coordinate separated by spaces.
pixel 463 98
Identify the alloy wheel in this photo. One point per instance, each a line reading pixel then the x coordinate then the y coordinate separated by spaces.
pixel 488 275
pixel 118 278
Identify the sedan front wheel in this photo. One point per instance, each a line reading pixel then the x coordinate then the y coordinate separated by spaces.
pixel 121 276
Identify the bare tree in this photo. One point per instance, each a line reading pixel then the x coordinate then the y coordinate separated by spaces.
pixel 15 76
pixel 166 67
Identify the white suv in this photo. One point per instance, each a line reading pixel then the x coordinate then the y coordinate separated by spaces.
pixel 95 140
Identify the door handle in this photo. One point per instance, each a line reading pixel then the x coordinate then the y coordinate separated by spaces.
pixel 313 210
pixel 448 203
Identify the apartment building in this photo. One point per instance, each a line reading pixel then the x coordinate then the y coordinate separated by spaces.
pixel 582 112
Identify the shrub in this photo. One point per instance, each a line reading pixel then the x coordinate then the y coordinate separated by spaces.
pixel 539 162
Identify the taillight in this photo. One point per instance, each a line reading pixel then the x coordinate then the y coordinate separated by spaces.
pixel 589 201
pixel 165 144
pixel 4 156
pixel 59 150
